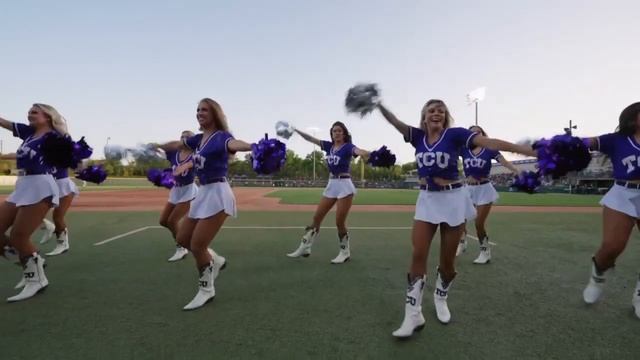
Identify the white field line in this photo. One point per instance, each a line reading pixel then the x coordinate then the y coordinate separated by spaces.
pixel 267 228
pixel 121 236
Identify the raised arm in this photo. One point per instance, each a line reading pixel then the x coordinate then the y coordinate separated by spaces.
pixel 393 120
pixel 501 145
pixel 308 137
pixel 6 124
pixel 506 163
pixel 235 145
pixel 170 146
pixel 360 152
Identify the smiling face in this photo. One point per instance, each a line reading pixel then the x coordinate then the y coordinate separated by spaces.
pixel 435 116
pixel 38 118
pixel 204 114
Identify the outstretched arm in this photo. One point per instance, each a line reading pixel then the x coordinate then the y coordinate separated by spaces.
pixel 393 120
pixel 308 137
pixel 501 145
pixel 6 124
pixel 363 153
pixel 170 146
pixel 235 145
pixel 506 163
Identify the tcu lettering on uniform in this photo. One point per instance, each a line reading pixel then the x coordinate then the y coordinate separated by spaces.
pixel 333 159
pixel 629 162
pixel 198 162
pixel 26 151
pixel 475 162
pixel 441 159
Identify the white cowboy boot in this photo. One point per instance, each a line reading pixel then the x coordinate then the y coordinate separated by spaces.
pixel 35 279
pixel 180 254
pixel 345 252
pixel 595 287
pixel 62 244
pixel 485 252
pixel 206 290
pixel 462 245
pixel 219 263
pixel 440 296
pixel 304 249
pixel 413 318
pixel 48 228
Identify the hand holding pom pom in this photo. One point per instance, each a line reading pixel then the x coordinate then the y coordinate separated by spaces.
pixel 284 129
pixel 362 99
pixel 94 174
pixel 268 155
pixel 58 150
pixel 382 157
pixel 527 181
pixel 81 150
pixel 561 155
pixel 161 177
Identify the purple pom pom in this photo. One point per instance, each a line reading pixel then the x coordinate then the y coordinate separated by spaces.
pixel 268 156
pixel 527 181
pixel 561 155
pixel 161 178
pixel 81 150
pixel 57 150
pixel 93 174
pixel 382 157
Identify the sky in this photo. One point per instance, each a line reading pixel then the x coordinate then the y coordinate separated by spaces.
pixel 134 71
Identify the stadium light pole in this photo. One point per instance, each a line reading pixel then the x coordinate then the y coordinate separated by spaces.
pixel 475 96
pixel 571 127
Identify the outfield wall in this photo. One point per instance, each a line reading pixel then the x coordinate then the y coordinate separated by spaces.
pixel 8 180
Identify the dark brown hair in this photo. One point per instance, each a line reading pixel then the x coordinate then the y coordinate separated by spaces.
pixel 628 119
pixel 345 131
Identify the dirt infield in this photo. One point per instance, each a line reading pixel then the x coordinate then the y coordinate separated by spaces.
pixel 253 199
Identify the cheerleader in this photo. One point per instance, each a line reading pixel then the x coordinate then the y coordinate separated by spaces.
pixel 214 201
pixel 181 194
pixel 477 168
pixel 621 205
pixel 36 192
pixel 339 191
pixel 442 203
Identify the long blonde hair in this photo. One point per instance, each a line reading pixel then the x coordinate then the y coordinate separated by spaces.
pixel 58 122
pixel 219 119
pixel 448 119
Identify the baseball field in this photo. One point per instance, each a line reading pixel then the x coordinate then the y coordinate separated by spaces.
pixel 114 295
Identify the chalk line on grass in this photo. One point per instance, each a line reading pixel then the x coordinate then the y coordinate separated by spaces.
pixel 250 227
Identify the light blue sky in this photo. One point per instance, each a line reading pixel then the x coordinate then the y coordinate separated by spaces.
pixel 134 71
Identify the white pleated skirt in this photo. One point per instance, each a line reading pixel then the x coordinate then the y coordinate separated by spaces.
pixel 483 194
pixel 339 188
pixel 31 189
pixel 182 194
pixel 66 187
pixel 212 199
pixel 624 200
pixel 452 207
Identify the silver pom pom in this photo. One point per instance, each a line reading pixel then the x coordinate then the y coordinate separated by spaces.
pixel 115 152
pixel 284 129
pixel 362 99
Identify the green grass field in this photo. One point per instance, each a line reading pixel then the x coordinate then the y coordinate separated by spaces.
pixel 123 300
pixel 109 184
pixel 408 197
